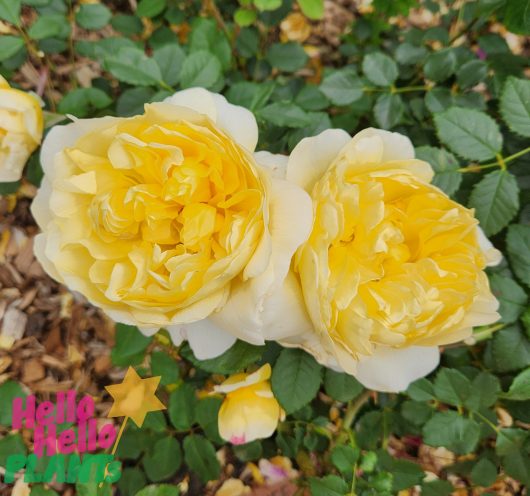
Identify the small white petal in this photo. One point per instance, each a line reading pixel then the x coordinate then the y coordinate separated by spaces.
pixel 393 369
pixel 312 156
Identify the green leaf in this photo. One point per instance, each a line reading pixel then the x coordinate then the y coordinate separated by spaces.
pixel 451 430
pixel 436 487
pixel 445 166
pixel 510 349
pixel 469 133
pixel 512 445
pixel 409 54
pixel 133 66
pixel 345 458
pixel 284 114
pixel 199 454
pixel 389 110
pixel 50 26
pixel 452 387
pixel 159 490
pixel 41 490
pixel 10 11
pixel 181 407
pixel 163 460
pixel 233 360
pixel 342 87
pixel 200 69
pixel 129 347
pixel 495 199
pixel 405 473
pixel 472 73
pixel 416 412
pixel 9 46
pixel 206 36
pixel 287 57
pixel 421 390
pixel 207 414
pixel 131 101
pixel 8 392
pixel 245 17
pixel 511 296
pixel 314 9
pixel 520 387
pixel 341 387
pixel 440 65
pixel 93 16
pixel 150 8
pixel 311 98
pixel 295 379
pixel 131 481
pixel 128 25
pixel 249 451
pixel 515 105
pixel 518 244
pixel 380 69
pixel 517 16
pixel 485 389
pixel 330 485
pixel 484 473
pixel 264 5
pixel 439 99
pixel 170 58
pixel 166 367
pixel 80 101
pixel 10 445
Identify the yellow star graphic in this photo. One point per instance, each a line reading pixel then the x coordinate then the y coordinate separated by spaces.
pixel 135 397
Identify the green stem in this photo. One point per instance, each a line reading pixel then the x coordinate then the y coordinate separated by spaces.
pixel 165 86
pixel 393 89
pixel 487 421
pixel 353 408
pixel 501 162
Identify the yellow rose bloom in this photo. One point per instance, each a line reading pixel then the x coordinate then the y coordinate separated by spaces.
pixel 393 267
pixel 21 125
pixel 167 219
pixel 249 410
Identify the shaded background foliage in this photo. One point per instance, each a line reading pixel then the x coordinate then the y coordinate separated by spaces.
pixel 450 75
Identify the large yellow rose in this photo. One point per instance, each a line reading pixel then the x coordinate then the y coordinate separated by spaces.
pixel 393 267
pixel 167 219
pixel 21 125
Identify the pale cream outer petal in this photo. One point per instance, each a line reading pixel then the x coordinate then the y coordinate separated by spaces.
pixel 236 121
pixel 493 256
pixel 274 162
pixel 396 146
pixel 391 370
pixel 291 221
pixel 206 339
pixel 312 156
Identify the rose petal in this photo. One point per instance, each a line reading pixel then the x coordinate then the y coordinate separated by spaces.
pixel 274 162
pixel 312 156
pixel 206 339
pixel 493 256
pixel 391 370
